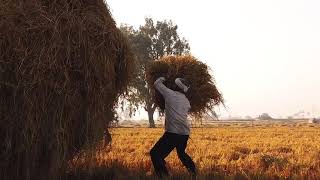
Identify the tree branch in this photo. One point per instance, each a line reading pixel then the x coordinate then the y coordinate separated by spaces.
pixel 154 106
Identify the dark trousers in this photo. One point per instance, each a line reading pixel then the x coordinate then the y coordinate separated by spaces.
pixel 162 149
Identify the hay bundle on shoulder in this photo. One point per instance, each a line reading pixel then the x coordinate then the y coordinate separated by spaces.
pixel 63 64
pixel 202 94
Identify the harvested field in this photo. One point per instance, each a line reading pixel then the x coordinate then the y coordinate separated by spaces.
pixel 226 150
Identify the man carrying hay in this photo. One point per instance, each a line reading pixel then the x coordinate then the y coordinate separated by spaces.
pixel 177 127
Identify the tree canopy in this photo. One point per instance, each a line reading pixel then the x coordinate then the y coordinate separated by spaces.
pixel 151 42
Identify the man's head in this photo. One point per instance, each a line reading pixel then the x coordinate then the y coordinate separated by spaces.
pixel 181 85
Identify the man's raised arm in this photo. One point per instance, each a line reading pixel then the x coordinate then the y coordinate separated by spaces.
pixel 158 84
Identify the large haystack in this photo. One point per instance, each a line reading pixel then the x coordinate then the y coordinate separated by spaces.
pixel 63 64
pixel 203 93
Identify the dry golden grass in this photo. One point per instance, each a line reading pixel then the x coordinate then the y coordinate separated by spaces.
pixel 264 151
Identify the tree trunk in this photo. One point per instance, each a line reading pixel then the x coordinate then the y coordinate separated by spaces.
pixel 150 116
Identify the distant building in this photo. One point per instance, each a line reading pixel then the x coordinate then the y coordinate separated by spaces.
pixel 265 116
pixel 301 115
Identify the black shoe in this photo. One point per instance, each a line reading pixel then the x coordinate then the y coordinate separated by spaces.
pixel 193 176
pixel 193 173
pixel 163 175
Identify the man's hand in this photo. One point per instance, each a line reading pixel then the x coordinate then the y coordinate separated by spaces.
pixel 160 79
pixel 181 85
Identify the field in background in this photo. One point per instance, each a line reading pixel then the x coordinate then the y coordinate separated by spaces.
pixel 267 150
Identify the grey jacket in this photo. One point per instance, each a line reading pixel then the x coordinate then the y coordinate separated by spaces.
pixel 177 107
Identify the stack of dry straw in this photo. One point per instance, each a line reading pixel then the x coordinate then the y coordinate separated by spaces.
pixel 63 64
pixel 203 93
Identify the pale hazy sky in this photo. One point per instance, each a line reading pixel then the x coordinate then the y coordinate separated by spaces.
pixel 264 54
